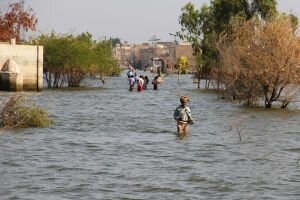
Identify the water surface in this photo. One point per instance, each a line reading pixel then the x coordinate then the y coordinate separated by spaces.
pixel 109 143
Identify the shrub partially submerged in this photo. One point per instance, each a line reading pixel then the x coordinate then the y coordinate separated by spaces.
pixel 260 60
pixel 18 112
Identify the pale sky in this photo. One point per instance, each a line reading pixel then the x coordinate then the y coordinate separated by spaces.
pixel 135 21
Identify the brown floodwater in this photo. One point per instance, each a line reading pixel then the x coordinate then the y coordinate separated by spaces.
pixel 109 143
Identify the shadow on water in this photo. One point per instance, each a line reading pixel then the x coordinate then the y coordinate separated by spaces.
pixel 109 143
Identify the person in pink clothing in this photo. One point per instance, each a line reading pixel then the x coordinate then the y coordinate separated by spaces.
pixel 140 83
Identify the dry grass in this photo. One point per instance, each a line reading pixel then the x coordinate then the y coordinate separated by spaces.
pixel 17 112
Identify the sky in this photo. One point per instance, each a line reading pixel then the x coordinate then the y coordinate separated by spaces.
pixel 134 21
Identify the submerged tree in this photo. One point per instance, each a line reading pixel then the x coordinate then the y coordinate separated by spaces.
pixel 16 19
pixel 183 65
pixel 260 60
pixel 69 59
pixel 202 27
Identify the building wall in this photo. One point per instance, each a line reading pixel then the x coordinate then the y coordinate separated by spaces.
pixel 122 53
pixel 30 60
pixel 187 51
pixel 138 48
pixel 140 55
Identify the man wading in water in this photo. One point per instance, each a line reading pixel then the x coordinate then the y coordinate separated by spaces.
pixel 183 116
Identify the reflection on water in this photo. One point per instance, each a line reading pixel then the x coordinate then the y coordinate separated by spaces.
pixel 108 143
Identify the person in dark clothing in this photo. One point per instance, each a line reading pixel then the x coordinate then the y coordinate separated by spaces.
pixel 155 83
pixel 146 81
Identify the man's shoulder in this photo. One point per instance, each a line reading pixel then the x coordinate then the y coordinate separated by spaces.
pixel 179 107
pixel 187 108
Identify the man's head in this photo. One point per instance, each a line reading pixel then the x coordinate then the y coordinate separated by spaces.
pixel 184 100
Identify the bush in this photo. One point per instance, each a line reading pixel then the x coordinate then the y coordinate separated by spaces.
pixel 19 113
pixel 260 60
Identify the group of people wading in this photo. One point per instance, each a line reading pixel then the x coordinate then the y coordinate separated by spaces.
pixel 141 81
pixel 182 113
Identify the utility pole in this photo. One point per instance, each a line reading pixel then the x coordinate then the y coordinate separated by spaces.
pixel 175 38
pixel 22 4
pixel 153 40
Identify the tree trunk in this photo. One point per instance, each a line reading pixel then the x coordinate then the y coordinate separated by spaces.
pixel 284 105
pixel 268 104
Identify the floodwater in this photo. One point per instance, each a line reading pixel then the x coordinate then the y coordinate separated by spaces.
pixel 109 143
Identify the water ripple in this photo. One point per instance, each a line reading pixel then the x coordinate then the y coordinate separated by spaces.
pixel 108 143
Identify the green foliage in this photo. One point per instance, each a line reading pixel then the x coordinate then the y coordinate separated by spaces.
pixel 70 59
pixel 33 117
pixel 106 64
pixel 115 41
pixel 294 20
pixel 202 27
pixel 191 29
pixel 183 65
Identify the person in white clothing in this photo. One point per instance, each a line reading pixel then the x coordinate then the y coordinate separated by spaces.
pixel 183 116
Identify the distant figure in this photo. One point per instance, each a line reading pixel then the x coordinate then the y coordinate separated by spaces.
pixel 140 83
pixel 155 83
pixel 130 72
pixel 146 81
pixel 158 72
pixel 183 116
pixel 131 80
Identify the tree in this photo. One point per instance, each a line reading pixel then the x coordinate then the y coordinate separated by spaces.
pixel 183 65
pixel 115 41
pixel 16 19
pixel 260 60
pixel 70 59
pixel 203 27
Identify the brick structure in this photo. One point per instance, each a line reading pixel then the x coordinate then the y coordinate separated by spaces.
pixel 185 49
pixel 140 55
